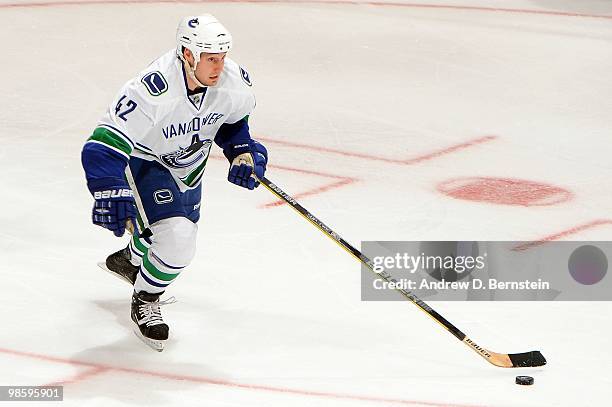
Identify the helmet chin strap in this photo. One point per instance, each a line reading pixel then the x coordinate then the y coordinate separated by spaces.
pixel 191 71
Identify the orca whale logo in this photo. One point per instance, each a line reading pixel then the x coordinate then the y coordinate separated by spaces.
pixel 185 157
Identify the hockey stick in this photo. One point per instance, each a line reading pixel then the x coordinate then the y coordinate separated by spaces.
pixel 526 359
pixel 129 227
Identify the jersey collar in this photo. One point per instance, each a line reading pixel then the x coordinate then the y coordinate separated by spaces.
pixel 195 97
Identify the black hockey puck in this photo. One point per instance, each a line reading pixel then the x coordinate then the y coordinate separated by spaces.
pixel 524 380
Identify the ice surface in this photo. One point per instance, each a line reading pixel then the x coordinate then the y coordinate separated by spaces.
pixel 362 108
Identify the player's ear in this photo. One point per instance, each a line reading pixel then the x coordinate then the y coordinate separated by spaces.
pixel 188 55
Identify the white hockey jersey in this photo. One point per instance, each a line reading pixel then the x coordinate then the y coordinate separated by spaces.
pixel 154 118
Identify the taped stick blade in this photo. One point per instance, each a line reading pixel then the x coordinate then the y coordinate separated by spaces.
pixel 527 359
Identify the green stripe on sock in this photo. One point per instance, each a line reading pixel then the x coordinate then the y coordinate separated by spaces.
pixel 143 249
pixel 160 275
pixel 108 137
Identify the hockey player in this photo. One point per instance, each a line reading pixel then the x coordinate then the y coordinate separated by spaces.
pixel 145 160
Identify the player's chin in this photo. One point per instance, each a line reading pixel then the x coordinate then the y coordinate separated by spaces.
pixel 213 80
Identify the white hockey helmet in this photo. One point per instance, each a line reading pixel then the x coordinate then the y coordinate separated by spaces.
pixel 202 34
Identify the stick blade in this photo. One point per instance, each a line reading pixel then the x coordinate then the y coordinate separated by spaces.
pixel 527 359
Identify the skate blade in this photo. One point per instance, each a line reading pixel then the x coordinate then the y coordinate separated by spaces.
pixel 152 343
pixel 102 265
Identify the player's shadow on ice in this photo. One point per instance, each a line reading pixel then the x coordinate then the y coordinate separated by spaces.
pixel 137 374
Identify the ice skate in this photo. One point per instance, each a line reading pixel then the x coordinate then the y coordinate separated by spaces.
pixel 118 264
pixel 149 325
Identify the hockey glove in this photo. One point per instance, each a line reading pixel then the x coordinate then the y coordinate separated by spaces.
pixel 248 164
pixel 114 204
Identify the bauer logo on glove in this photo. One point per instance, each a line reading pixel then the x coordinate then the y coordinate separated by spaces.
pixel 113 193
pixel 248 164
pixel 114 204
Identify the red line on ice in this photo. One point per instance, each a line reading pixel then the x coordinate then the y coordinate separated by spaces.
pixel 340 182
pixel 99 368
pixel 448 150
pixel 562 234
pixel 79 377
pixel 335 2
pixel 408 161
